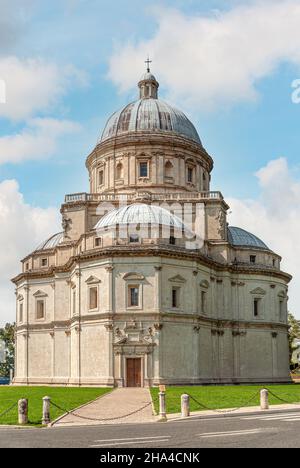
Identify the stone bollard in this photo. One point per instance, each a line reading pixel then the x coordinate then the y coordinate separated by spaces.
pixel 162 406
pixel 264 399
pixel 185 406
pixel 23 411
pixel 46 411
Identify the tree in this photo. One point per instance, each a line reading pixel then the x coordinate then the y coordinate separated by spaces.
pixel 294 333
pixel 7 335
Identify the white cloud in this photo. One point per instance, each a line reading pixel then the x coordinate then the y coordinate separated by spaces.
pixel 34 85
pixel 275 218
pixel 22 228
pixel 215 59
pixel 37 140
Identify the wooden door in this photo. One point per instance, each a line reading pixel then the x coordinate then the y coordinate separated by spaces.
pixel 134 372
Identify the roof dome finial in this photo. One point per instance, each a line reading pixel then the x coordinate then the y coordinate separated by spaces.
pixel 148 61
pixel 148 84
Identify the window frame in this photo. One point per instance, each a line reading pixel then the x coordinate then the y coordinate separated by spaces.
pixel 134 239
pixel 190 171
pixel 130 287
pixel 172 240
pixel 42 259
pixel 203 302
pixel 256 310
pixel 101 177
pixel 95 242
pixel 176 289
pixel 119 171
pixel 146 164
pixel 40 300
pixel 90 288
pixel 21 312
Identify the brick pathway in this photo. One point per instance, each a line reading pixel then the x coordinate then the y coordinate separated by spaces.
pixel 117 403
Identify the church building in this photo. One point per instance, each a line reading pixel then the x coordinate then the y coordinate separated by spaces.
pixel 147 284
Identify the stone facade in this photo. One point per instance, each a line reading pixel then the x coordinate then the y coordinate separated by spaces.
pixel 89 302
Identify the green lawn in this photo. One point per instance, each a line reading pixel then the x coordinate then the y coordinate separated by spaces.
pixel 68 398
pixel 231 396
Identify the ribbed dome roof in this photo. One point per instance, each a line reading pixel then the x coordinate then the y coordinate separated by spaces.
pixel 240 238
pixel 151 115
pixel 139 213
pixel 52 242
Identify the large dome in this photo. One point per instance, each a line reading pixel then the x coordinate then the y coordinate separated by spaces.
pixel 149 114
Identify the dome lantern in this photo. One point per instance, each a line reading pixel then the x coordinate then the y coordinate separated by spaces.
pixel 148 84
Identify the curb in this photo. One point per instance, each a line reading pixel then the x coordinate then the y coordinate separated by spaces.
pixel 231 415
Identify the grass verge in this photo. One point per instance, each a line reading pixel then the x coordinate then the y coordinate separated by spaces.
pixel 68 398
pixel 226 396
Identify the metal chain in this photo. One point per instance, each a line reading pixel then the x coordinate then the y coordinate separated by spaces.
pixel 8 410
pixel 103 419
pixel 224 411
pixel 281 399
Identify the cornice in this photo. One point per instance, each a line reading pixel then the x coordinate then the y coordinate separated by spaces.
pixel 163 317
pixel 155 251
pixel 136 140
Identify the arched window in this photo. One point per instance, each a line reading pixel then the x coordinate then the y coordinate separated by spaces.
pixel 168 170
pixel 119 171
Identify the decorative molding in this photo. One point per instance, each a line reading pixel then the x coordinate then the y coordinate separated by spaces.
pixel 40 293
pixel 141 251
pixel 259 292
pixel 274 334
pixel 204 284
pixel 197 328
pixel 109 268
pixel 177 279
pixel 215 331
pixel 238 333
pixel 133 276
pixel 93 280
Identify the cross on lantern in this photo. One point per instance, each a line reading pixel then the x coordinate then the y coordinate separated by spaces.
pixel 148 61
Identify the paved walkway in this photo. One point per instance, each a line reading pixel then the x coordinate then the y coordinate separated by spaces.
pixel 119 402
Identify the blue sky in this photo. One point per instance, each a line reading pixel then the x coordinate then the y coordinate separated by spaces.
pixel 94 49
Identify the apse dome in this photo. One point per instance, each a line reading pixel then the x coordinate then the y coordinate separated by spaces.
pixel 149 114
pixel 51 242
pixel 139 213
pixel 240 238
